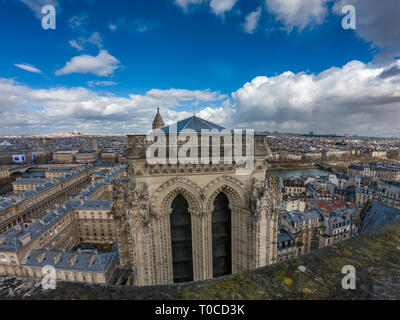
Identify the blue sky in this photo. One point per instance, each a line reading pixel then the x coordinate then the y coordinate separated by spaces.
pixel 109 64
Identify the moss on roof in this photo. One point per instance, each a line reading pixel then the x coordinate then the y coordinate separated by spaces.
pixel 375 255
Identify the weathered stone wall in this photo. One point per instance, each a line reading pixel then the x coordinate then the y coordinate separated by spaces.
pixel 375 255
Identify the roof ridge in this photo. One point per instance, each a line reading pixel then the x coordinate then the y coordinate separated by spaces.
pixel 193 122
pixel 191 119
pixel 205 122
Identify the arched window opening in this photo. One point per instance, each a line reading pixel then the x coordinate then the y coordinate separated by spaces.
pixel 181 240
pixel 221 237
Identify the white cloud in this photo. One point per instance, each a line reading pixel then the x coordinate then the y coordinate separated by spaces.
pixel 378 23
pixel 28 68
pixel 112 26
pixel 134 26
pixel 101 83
pixel 251 21
pixel 37 5
pixel 185 95
pixel 103 64
pixel 78 22
pixel 219 115
pixel 357 98
pixel 95 39
pixel 65 109
pixel 298 13
pixel 75 44
pixel 185 4
pixel 218 7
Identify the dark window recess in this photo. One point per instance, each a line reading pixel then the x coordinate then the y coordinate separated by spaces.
pixel 221 237
pixel 181 238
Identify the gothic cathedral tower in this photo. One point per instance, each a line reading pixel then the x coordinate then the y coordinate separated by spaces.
pixel 194 221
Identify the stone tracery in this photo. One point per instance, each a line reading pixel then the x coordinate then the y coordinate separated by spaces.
pixel 143 205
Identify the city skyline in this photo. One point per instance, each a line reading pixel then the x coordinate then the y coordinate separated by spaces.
pixel 106 67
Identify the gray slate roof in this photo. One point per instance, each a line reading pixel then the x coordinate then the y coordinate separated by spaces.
pixel 297 216
pixel 86 261
pixel 40 188
pixel 284 236
pixel 11 241
pixel 31 181
pixel 193 123
pixel 378 215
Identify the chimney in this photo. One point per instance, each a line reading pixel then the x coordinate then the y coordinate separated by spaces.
pixel 26 238
pixel 57 257
pixel 74 257
pixel 91 259
pixel 41 255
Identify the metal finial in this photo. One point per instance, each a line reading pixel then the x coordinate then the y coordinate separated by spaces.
pixel 194 107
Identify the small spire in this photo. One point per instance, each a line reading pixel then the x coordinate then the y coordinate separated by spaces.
pixel 158 122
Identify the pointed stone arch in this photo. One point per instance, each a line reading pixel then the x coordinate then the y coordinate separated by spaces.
pixel 161 204
pixel 164 196
pixel 236 193
pixel 233 188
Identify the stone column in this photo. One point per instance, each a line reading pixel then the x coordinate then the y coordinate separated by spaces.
pixel 261 241
pixel 201 245
pixel 236 236
pixel 164 249
pixel 272 238
pixel 122 235
pixel 240 238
